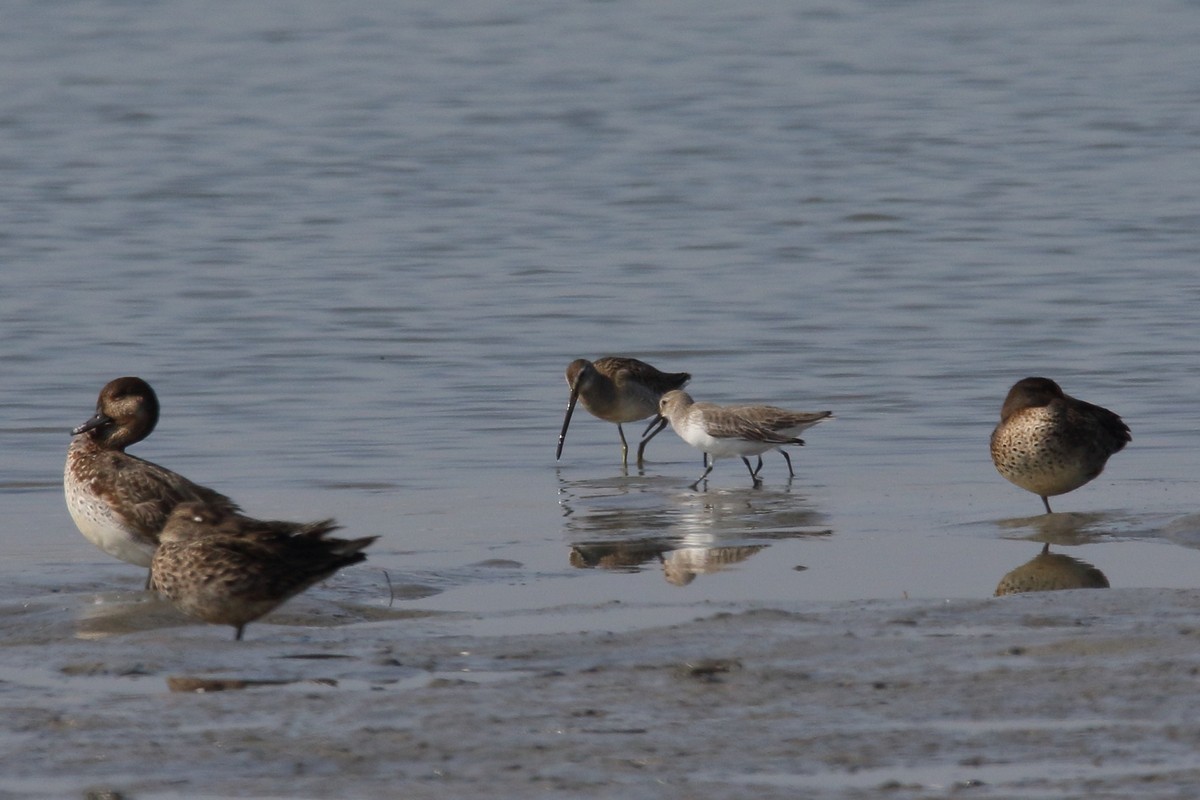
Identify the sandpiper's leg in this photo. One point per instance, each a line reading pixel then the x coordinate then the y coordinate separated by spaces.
pixel 753 475
pixel 757 468
pixel 624 446
pixel 658 425
pixel 788 459
pixel 707 470
pixel 238 636
pixel 1046 503
pixel 149 580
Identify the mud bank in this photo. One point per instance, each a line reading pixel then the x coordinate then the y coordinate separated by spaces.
pixel 1069 694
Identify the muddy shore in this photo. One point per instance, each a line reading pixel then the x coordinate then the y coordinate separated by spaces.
pixel 1070 694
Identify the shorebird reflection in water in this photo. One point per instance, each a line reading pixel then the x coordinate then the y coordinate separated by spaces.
pixel 118 501
pixel 619 390
pixel 740 430
pixel 1050 443
pixel 228 569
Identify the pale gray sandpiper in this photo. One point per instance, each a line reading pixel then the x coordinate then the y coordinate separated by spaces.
pixel 228 569
pixel 120 502
pixel 741 430
pixel 1050 443
pixel 619 390
pixel 780 420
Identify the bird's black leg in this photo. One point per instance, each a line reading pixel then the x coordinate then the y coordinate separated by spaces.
pixel 707 470
pixel 788 459
pixel 624 446
pixel 753 475
pixel 658 424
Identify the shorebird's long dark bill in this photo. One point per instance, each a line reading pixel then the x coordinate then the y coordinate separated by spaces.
pixel 659 419
pixel 562 436
pixel 93 423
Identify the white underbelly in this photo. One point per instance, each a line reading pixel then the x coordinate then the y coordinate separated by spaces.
pixel 100 526
pixel 723 447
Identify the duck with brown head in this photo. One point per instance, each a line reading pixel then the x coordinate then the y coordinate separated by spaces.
pixel 118 501
pixel 1050 443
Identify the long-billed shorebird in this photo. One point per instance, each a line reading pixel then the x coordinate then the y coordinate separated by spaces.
pixel 619 390
pixel 120 502
pixel 741 430
pixel 1050 443
pixel 229 569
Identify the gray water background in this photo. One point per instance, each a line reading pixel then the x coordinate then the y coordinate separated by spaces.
pixel 353 246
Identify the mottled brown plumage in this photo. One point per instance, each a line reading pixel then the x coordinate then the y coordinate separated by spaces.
pixel 229 569
pixel 619 390
pixel 1050 443
pixel 119 501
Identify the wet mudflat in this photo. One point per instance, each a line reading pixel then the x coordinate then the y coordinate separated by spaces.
pixel 354 248
pixel 1086 693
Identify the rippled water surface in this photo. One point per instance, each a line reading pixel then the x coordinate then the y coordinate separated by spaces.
pixel 354 246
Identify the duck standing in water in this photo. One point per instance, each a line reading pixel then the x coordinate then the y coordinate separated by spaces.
pixel 228 569
pixel 1050 443
pixel 118 501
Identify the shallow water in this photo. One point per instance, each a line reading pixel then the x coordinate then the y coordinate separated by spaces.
pixel 353 248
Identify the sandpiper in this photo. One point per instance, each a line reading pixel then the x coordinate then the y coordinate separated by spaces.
pixel 120 502
pixel 228 569
pixel 741 430
pixel 619 390
pixel 1050 443
pixel 780 420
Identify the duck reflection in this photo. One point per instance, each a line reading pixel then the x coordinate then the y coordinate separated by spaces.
pixel 1069 528
pixel 117 613
pixel 1049 572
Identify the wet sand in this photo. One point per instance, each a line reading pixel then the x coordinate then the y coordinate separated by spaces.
pixel 1068 694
